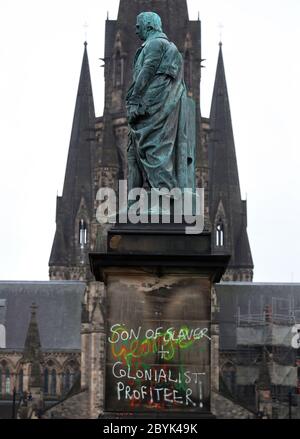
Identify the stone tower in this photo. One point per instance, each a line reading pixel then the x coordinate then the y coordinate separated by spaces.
pixel 228 212
pixel 97 153
pixel 121 44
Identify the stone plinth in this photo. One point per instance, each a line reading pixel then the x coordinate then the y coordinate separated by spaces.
pixel 158 324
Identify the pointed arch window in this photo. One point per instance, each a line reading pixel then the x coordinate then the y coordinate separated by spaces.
pixel 72 374
pixel 21 381
pixel 53 383
pixel 7 382
pixel 118 73
pixel 220 234
pixel 229 376
pixel 67 381
pixel 82 233
pixel 188 70
pixel 46 381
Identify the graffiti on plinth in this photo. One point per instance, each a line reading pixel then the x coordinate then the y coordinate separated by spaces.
pixel 158 367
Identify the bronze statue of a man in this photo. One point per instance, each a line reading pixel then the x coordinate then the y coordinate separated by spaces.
pixel 160 149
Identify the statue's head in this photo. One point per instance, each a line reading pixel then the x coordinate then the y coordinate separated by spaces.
pixel 146 23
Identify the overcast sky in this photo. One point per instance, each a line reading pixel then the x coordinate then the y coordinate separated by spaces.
pixel 41 47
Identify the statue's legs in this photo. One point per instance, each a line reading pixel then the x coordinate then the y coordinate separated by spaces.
pixel 135 176
pixel 157 149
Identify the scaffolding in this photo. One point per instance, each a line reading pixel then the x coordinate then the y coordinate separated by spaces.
pixel 281 311
pixel 267 327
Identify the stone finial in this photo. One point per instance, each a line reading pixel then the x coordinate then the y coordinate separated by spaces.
pixel 32 347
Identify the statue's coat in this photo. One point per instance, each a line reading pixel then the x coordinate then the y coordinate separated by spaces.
pixel 160 153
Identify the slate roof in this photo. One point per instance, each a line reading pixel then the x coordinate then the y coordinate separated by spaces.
pixel 58 313
pixel 254 297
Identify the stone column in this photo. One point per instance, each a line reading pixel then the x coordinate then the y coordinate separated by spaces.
pixel 26 377
pixel 85 354
pixel 85 339
pixel 94 345
pixel 96 377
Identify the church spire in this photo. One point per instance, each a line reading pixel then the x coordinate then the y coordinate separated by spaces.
pixel 75 206
pixel 32 347
pixel 221 125
pixel 78 165
pixel 227 210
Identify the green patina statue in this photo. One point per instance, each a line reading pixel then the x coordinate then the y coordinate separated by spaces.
pixel 160 115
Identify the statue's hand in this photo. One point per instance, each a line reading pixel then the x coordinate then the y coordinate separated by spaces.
pixel 135 110
pixel 133 113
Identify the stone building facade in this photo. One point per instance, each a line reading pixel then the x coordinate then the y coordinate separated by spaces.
pixel 41 341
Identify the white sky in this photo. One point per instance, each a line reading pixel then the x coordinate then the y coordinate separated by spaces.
pixel 41 47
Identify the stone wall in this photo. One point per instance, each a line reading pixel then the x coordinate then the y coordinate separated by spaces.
pixel 78 407
pixel 75 407
pixel 224 408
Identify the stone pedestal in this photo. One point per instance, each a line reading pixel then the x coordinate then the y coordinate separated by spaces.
pixel 158 324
